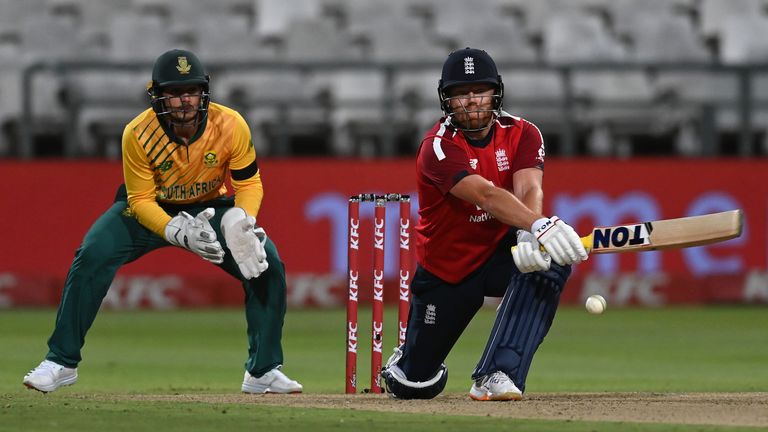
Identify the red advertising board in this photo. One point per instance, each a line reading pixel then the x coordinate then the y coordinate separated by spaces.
pixel 47 207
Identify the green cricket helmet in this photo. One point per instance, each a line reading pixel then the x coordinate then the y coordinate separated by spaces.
pixel 175 68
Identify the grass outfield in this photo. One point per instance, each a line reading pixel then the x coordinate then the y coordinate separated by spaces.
pixel 671 350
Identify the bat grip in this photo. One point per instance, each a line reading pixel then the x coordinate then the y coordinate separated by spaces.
pixel 586 241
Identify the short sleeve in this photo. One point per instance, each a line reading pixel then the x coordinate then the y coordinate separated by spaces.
pixel 530 150
pixel 243 153
pixel 443 163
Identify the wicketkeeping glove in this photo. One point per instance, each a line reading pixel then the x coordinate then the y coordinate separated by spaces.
pixel 246 242
pixel 195 234
pixel 560 240
pixel 528 255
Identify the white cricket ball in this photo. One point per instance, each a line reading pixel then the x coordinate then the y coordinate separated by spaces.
pixel 595 304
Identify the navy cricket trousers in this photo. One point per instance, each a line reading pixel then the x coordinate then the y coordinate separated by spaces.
pixel 440 311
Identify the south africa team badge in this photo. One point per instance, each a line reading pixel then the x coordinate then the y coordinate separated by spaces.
pixel 209 159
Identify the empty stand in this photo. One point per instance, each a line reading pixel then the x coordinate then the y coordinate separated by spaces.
pixel 140 36
pixel 230 39
pixel 577 36
pixel 359 77
pixel 274 16
pixel 667 38
pixel 744 39
pixel 313 39
pixel 715 13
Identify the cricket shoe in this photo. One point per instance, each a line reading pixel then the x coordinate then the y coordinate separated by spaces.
pixel 49 376
pixel 273 381
pixel 495 387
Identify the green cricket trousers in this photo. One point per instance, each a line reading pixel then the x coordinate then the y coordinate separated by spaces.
pixel 117 238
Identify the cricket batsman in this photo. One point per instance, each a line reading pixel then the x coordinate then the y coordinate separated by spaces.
pixel 176 158
pixel 479 176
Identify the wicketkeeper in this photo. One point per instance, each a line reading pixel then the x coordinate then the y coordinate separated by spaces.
pixel 176 157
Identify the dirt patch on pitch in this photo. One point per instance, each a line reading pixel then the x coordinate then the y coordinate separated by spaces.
pixel 734 409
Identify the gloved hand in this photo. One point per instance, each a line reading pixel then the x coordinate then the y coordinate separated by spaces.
pixel 528 255
pixel 245 241
pixel 195 234
pixel 560 240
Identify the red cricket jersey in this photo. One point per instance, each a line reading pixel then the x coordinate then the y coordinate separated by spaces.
pixel 455 237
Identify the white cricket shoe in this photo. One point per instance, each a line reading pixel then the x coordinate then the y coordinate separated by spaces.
pixel 495 387
pixel 273 381
pixel 49 376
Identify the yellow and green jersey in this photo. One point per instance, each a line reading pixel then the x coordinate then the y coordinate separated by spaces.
pixel 159 170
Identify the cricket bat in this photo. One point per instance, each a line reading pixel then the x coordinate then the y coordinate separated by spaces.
pixel 665 233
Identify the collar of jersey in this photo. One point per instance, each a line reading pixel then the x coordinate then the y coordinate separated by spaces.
pixel 481 143
pixel 169 132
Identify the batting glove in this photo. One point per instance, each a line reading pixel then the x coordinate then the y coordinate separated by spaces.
pixel 195 234
pixel 246 242
pixel 559 240
pixel 528 255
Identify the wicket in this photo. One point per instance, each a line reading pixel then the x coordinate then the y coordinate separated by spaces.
pixel 377 319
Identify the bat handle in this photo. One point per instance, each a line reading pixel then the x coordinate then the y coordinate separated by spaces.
pixel 586 241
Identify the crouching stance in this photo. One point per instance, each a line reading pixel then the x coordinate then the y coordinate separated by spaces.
pixel 479 177
pixel 175 158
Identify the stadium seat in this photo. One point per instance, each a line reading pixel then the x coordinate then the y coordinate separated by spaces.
pixel 357 106
pixel 184 15
pixel 624 99
pixel 667 38
pixel 140 37
pixel 627 16
pixel 248 88
pixel 715 13
pixel 230 39
pixel 402 41
pixel 10 91
pixel 100 105
pixel 535 14
pixel 687 140
pixel 457 19
pixel 60 41
pixel 697 86
pixel 415 99
pixel 361 16
pixel 503 39
pixel 316 39
pixel 576 36
pixel 601 142
pixel 534 95
pixel 274 16
pixel 694 89
pixel 93 17
pixel 14 13
pixel 278 106
pixel 528 92
pixel 760 88
pixel 410 39
pixel 744 39
pixel 530 86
